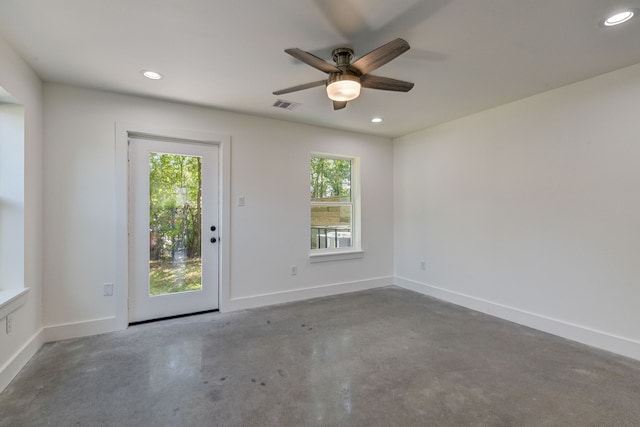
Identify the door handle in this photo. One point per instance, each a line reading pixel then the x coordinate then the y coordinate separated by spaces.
pixel 213 240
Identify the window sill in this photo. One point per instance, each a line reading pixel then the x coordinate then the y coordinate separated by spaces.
pixel 11 300
pixel 335 256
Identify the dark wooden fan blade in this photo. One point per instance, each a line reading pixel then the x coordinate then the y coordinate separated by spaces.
pixel 385 83
pixel 300 87
pixel 339 105
pixel 380 56
pixel 312 60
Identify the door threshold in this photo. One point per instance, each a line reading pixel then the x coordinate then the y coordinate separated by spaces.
pixel 177 316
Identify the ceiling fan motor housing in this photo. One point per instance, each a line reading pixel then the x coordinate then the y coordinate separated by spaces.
pixel 342 56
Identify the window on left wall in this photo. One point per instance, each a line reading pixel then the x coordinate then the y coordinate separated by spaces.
pixel 12 161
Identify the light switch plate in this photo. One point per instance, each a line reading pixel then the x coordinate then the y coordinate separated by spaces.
pixel 108 290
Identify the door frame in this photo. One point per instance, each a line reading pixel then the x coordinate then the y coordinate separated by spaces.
pixel 122 133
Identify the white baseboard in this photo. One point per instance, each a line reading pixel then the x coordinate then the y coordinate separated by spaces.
pixel 603 340
pixel 20 359
pixel 303 294
pixel 111 324
pixel 80 329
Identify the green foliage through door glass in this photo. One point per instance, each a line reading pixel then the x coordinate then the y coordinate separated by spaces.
pixel 175 205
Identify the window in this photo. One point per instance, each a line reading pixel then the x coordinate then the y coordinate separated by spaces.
pixel 334 204
pixel 12 290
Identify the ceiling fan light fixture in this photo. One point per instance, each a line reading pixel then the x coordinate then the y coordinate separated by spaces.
pixel 343 87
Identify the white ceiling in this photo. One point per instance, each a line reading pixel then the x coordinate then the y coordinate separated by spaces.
pixel 466 55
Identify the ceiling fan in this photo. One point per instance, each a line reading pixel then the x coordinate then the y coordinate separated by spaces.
pixel 346 78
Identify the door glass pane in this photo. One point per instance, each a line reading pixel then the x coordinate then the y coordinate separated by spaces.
pixel 175 206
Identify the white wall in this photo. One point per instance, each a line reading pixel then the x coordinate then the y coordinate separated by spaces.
pixel 26 337
pixel 269 166
pixel 530 211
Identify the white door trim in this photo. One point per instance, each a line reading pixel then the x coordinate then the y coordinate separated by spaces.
pixel 122 131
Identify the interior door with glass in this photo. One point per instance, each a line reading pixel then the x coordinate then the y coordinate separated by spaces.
pixel 173 266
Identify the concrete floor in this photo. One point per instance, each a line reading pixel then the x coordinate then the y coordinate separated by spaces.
pixel 385 357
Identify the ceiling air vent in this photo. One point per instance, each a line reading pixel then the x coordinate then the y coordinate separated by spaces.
pixel 286 105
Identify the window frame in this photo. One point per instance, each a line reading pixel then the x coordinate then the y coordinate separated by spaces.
pixel 355 250
pixel 13 291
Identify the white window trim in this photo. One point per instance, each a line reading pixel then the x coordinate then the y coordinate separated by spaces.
pixel 11 300
pixel 13 293
pixel 335 255
pixel 355 251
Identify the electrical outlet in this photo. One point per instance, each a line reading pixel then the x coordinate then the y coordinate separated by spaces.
pixel 107 290
pixel 423 265
pixel 241 200
pixel 294 270
pixel 9 323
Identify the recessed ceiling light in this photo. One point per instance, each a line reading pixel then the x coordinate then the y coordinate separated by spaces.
pixel 618 18
pixel 151 75
pixel 376 120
